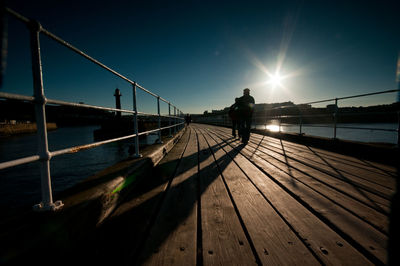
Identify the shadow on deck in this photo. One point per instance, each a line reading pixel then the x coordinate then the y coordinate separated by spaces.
pixel 212 200
pixel 269 202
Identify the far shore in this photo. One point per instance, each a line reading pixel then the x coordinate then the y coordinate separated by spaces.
pixel 7 130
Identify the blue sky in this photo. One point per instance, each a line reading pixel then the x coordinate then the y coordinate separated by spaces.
pixel 201 54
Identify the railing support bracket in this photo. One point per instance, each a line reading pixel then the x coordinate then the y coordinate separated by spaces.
pixel 55 206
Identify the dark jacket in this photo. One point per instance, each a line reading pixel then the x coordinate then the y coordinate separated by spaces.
pixel 233 111
pixel 246 105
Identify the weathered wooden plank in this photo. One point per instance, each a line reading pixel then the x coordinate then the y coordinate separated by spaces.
pixel 312 180
pixel 345 165
pixel 370 199
pixel 274 241
pixel 330 247
pixel 365 181
pixel 374 242
pixel 369 165
pixel 340 211
pixel 360 189
pixel 323 158
pixel 336 169
pixel 223 239
pixel 172 239
pixel 123 225
pixel 380 168
pixel 161 174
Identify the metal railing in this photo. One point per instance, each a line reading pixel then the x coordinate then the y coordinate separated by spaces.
pixel 175 121
pixel 262 117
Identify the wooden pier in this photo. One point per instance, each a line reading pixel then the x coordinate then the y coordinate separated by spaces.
pixel 215 201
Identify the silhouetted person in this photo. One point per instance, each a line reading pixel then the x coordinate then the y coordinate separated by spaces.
pixel 246 108
pixel 188 119
pixel 234 115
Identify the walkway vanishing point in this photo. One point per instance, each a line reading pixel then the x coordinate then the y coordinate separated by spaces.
pixel 270 202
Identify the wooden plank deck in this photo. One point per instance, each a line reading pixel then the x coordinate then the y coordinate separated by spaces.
pixel 269 202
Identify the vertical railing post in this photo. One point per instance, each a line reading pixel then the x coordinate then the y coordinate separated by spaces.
pixel 159 120
pixel 181 116
pixel 398 129
pixel 178 119
pixel 135 122
pixel 335 114
pixel 40 115
pixel 301 125
pixel 265 120
pixel 182 120
pixel 280 119
pixel 280 124
pixel 301 121
pixel 169 119
pixel 175 120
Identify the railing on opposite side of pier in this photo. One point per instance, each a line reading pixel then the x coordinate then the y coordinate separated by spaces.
pixel 264 117
pixel 175 121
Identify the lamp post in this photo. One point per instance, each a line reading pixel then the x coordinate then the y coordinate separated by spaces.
pixel 118 95
pixel 398 78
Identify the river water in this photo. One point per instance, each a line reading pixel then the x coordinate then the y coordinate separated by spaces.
pixel 20 185
pixel 368 134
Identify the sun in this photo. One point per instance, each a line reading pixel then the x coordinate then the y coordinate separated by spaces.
pixel 275 80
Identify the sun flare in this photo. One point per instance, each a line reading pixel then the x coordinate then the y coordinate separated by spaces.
pixel 275 80
pixel 273 128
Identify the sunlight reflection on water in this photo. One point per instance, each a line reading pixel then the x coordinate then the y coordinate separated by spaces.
pixel 326 130
pixel 272 127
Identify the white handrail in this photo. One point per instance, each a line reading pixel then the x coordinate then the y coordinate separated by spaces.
pixel 40 101
pixel 218 119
